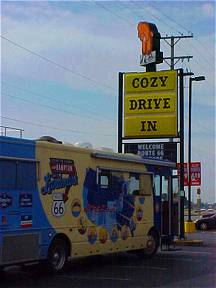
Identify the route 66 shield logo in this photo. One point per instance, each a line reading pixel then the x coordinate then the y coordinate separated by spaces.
pixel 58 207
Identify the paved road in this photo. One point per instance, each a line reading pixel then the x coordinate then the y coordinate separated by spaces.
pixel 187 267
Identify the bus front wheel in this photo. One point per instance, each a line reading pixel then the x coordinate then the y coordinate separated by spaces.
pixel 57 255
pixel 152 244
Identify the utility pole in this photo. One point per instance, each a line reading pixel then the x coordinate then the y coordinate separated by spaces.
pixel 173 41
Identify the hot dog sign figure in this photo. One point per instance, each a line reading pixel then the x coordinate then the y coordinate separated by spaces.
pixel 150 38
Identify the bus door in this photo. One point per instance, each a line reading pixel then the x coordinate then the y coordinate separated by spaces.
pixel 157 201
pixel 166 205
pixel 175 205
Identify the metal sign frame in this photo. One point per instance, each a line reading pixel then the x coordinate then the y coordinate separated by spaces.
pixel 150 102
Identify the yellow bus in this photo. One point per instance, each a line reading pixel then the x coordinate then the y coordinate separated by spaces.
pixel 59 201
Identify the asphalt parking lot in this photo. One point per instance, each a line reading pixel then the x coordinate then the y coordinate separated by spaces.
pixel 187 266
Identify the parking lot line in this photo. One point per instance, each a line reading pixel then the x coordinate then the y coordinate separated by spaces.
pixel 135 267
pixel 179 259
pixel 194 252
pixel 92 278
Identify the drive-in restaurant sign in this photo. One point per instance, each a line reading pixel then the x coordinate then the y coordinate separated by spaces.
pixel 150 104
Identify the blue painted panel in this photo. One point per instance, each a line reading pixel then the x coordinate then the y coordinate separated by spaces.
pixel 109 207
pixel 10 147
pixel 20 204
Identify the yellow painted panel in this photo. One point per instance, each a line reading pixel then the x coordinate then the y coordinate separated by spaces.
pixel 75 222
pixel 150 103
pixel 150 81
pixel 150 126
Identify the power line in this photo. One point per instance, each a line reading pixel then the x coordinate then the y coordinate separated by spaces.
pixel 112 12
pixel 48 106
pixel 56 64
pixel 162 21
pixel 171 44
pixel 203 67
pixel 180 25
pixel 55 128
pixel 123 4
pixel 159 19
pixel 168 17
pixel 58 101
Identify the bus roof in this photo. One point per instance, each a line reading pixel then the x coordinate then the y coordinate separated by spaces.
pixel 131 158
pixel 93 152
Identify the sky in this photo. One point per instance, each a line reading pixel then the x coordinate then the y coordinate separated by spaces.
pixel 60 62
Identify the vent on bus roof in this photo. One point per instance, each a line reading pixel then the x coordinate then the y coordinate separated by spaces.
pixel 49 139
pixel 106 149
pixel 84 145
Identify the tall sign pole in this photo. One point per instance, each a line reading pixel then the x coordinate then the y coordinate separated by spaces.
pixel 181 194
pixel 120 116
pixel 199 78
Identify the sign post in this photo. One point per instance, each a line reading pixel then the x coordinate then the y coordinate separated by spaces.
pixel 120 115
pixel 199 78
pixel 181 186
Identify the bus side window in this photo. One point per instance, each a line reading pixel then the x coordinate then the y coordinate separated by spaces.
pixel 134 184
pixel 146 184
pixel 8 178
pixel 104 181
pixel 157 185
pixel 17 175
pixel 26 175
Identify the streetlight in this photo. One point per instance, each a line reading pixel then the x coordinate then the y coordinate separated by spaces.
pixel 191 79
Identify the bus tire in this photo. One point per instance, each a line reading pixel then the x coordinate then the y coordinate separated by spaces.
pixel 57 255
pixel 152 245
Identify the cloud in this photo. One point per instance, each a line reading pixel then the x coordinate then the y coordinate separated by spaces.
pixel 208 10
pixel 75 41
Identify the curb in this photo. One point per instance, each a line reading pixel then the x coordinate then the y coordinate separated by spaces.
pixel 188 242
